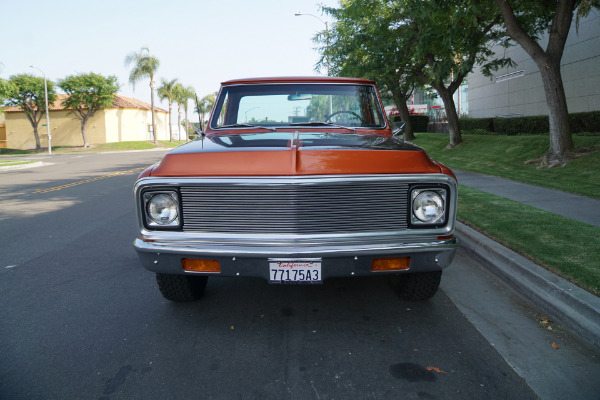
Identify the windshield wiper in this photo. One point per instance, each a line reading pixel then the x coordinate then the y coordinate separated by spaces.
pixel 248 126
pixel 322 123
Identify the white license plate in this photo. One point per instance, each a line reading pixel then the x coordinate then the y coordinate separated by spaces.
pixel 295 271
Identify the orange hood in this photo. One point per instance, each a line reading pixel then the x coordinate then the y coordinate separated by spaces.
pixel 307 153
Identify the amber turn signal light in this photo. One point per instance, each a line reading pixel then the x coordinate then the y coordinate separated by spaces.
pixel 390 264
pixel 193 265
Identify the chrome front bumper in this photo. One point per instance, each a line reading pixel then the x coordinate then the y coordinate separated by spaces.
pixel 338 260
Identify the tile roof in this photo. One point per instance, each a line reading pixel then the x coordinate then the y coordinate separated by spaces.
pixel 120 102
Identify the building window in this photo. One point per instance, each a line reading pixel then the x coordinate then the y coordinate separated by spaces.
pixel 150 136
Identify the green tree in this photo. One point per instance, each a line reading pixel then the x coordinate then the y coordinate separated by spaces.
pixel 525 21
pixel 166 91
pixel 144 66
pixel 27 92
pixel 362 44
pixel 451 37
pixel 86 94
pixel 6 91
pixel 435 42
pixel 182 95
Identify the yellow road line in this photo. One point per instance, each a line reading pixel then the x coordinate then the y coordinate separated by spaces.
pixel 53 189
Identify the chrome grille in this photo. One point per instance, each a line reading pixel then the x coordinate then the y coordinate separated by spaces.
pixel 296 208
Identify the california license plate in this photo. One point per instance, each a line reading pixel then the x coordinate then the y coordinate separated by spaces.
pixel 295 271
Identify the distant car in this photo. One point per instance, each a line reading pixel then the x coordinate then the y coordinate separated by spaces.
pixel 296 180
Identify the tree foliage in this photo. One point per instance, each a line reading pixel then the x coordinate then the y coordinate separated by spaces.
pixel 6 91
pixel 403 43
pixel 86 94
pixel 363 45
pixel 204 107
pixel 27 92
pixel 144 65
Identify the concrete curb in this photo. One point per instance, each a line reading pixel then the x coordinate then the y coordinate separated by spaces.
pixel 569 305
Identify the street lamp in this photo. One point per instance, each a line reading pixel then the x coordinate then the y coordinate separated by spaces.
pixel 247 111
pixel 299 14
pixel 47 115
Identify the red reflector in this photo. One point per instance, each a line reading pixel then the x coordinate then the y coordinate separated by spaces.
pixel 390 264
pixel 193 265
pixel 445 237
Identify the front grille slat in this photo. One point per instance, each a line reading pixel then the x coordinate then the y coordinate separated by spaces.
pixel 319 208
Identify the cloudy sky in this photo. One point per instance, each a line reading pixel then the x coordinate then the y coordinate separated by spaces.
pixel 201 43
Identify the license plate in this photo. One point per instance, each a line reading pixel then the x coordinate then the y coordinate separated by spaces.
pixel 295 271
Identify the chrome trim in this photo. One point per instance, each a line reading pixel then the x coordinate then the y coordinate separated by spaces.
pixel 381 109
pixel 335 262
pixel 285 240
pixel 291 250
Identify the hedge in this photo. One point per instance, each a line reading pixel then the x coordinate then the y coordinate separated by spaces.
pixel 419 123
pixel 536 125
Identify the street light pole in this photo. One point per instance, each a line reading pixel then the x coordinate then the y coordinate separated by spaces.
pixel 299 14
pixel 47 115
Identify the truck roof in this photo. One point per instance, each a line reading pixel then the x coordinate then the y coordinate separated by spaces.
pixel 297 79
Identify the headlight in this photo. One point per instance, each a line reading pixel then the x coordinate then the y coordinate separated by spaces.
pixel 428 206
pixel 162 209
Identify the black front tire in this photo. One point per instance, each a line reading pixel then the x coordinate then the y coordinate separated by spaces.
pixel 417 286
pixel 181 288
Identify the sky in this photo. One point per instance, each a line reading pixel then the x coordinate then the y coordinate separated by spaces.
pixel 201 43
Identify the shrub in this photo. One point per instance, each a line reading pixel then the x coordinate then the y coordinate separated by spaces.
pixel 419 123
pixel 534 125
pixel 585 122
pixel 470 124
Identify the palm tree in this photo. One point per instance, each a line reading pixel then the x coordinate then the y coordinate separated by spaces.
pixel 204 106
pixel 144 66
pixel 166 91
pixel 182 95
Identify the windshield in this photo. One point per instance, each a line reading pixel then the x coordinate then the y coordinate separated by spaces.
pixel 336 105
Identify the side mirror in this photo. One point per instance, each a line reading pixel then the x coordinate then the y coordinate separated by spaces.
pixel 398 128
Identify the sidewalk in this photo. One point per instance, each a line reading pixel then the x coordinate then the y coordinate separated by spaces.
pixel 566 303
pixel 569 205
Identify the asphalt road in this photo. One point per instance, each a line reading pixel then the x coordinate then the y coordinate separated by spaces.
pixel 81 319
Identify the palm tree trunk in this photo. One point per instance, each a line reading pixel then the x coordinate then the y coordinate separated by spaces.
pixel 170 123
pixel 154 133
pixel 187 127
pixel 178 121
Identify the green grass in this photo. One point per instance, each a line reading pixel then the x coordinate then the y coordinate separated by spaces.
pixel 120 146
pixel 505 156
pixel 6 163
pixel 14 151
pixel 566 247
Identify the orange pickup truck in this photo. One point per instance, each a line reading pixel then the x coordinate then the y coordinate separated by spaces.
pixel 296 180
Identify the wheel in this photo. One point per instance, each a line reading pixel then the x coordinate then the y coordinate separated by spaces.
pixel 417 286
pixel 181 288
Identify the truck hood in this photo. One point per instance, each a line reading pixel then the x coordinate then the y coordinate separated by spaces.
pixel 294 153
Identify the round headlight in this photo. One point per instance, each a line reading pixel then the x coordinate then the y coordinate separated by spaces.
pixel 162 209
pixel 428 206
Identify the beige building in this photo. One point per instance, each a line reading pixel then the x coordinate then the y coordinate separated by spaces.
pixel 518 90
pixel 126 120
